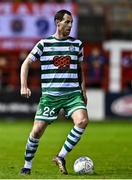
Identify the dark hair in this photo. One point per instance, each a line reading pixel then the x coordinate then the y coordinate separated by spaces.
pixel 59 15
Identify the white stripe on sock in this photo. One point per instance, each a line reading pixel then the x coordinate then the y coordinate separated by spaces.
pixel 28 164
pixel 79 129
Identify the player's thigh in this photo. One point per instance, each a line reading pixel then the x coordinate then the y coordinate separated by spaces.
pixel 75 102
pixel 40 125
pixel 80 118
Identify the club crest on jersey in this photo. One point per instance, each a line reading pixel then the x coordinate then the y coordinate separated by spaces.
pixel 62 62
pixel 71 48
pixel 39 111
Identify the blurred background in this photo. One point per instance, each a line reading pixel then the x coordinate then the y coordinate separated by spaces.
pixel 105 28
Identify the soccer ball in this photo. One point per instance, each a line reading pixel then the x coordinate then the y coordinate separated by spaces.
pixel 84 165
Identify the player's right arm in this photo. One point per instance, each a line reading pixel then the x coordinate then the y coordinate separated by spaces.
pixel 32 57
pixel 25 91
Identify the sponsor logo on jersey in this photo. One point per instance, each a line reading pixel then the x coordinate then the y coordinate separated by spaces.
pixel 62 62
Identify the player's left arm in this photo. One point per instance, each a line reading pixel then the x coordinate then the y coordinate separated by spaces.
pixel 82 80
pixel 81 72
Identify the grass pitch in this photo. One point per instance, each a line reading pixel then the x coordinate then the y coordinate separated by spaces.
pixel 107 143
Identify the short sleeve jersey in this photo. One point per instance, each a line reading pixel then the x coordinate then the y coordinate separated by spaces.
pixel 59 64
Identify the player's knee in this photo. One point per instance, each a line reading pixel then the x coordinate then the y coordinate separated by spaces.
pixel 37 132
pixel 83 122
pixel 38 128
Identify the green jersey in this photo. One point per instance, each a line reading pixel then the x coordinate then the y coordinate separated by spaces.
pixel 59 64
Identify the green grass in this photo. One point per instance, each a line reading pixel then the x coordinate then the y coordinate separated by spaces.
pixel 108 143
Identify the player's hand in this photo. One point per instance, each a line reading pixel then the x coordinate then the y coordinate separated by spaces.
pixel 25 92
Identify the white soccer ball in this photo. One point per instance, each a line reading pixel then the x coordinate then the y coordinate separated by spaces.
pixel 84 165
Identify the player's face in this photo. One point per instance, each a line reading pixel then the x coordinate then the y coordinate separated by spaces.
pixel 65 25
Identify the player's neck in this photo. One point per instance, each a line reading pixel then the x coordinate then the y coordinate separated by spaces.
pixel 59 36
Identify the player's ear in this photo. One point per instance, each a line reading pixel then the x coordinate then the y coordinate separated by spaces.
pixel 57 22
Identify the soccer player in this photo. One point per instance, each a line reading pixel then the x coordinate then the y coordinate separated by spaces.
pixel 62 85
